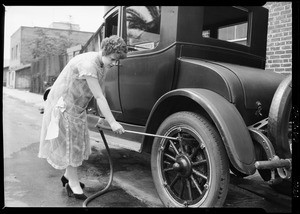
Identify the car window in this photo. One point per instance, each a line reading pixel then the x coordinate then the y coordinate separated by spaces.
pixel 142 27
pixel 111 27
pixel 226 23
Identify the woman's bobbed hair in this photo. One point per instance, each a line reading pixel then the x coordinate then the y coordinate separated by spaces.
pixel 114 45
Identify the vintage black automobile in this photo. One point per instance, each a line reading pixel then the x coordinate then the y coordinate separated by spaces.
pixel 197 73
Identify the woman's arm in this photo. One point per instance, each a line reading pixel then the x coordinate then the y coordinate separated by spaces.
pixel 103 105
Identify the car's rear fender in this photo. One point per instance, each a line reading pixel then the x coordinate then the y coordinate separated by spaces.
pixel 223 114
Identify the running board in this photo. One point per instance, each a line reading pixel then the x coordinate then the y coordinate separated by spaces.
pixel 117 141
pixel 127 140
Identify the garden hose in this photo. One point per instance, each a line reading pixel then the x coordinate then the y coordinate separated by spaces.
pixel 100 127
pixel 101 192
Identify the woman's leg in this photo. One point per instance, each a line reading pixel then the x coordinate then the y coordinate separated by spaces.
pixel 71 174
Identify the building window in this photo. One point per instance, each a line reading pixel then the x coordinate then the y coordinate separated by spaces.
pixel 142 27
pixel 236 33
pixel 17 50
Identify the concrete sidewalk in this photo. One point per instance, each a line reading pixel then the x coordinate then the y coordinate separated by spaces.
pixel 26 96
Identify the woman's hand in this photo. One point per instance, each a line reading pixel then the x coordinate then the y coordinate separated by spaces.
pixel 103 105
pixel 117 128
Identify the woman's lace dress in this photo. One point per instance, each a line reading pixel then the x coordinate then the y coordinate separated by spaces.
pixel 64 137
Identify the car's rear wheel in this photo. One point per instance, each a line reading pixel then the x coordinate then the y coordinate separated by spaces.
pixel 192 172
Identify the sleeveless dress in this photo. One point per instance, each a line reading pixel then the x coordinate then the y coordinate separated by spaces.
pixel 64 136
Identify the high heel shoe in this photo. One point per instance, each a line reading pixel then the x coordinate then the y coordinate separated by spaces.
pixel 64 181
pixel 77 196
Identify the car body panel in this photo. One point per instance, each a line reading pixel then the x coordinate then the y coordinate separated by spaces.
pixel 143 80
pixel 241 85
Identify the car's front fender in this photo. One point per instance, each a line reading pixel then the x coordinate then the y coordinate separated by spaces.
pixel 225 116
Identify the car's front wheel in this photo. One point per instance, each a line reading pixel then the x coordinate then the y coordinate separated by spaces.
pixel 192 171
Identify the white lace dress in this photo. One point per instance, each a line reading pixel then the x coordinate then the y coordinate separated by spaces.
pixel 64 137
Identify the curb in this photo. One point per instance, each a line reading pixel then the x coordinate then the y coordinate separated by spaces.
pixel 26 96
pixel 142 187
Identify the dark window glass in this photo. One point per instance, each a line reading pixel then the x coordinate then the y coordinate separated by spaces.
pixel 226 23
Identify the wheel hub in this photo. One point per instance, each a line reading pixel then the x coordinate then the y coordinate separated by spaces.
pixel 183 166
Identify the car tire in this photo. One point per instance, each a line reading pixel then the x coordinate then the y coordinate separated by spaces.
pixel 281 116
pixel 196 173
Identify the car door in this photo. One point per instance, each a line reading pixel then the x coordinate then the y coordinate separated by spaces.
pixel 146 73
pixel 111 80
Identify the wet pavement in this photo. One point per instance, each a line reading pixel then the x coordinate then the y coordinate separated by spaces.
pixel 32 182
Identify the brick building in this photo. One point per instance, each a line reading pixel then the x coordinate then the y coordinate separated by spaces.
pixel 22 43
pixel 279 44
pixel 19 78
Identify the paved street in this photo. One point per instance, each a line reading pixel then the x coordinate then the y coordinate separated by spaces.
pixel 32 182
pixel 28 179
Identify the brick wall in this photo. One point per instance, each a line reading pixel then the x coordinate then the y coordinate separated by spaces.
pixel 29 34
pixel 24 38
pixel 14 55
pixel 279 44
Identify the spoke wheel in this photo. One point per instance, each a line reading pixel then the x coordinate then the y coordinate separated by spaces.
pixel 184 166
pixel 191 171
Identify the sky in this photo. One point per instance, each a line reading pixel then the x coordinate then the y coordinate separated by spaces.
pixel 89 19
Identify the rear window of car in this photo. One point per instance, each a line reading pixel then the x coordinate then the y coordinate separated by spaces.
pixel 229 24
